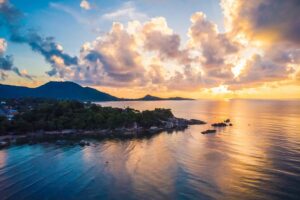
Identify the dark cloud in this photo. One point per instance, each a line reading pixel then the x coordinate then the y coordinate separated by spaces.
pixel 269 31
pixel 271 19
pixel 6 64
pixel 108 64
pixel 259 48
pixel 278 15
pixel 11 18
pixel 93 56
pixel 48 48
pixel 262 69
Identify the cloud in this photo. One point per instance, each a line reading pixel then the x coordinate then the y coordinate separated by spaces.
pixel 7 64
pixel 258 71
pixel 3 45
pixel 136 55
pixel 273 20
pixel 3 76
pixel 112 59
pixel 269 32
pixel 257 47
pixel 85 5
pixel 10 17
pixel 46 46
pixel 141 55
pixel 158 37
pixel 214 47
pixel 127 12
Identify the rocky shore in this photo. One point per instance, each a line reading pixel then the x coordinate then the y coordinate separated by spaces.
pixel 79 136
pixel 223 124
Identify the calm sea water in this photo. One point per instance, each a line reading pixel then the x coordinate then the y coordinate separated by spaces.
pixel 257 158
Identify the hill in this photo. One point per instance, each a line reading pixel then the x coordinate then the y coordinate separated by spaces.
pixel 154 98
pixel 56 90
pixel 70 91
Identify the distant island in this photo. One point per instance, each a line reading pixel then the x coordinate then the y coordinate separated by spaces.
pixel 154 98
pixel 39 120
pixel 68 91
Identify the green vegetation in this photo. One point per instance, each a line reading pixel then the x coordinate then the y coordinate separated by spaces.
pixel 49 115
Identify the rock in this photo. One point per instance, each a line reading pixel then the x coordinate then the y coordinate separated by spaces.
pixel 209 131
pixel 195 121
pixel 221 124
pixel 227 121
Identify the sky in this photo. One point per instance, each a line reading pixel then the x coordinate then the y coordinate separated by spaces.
pixel 217 49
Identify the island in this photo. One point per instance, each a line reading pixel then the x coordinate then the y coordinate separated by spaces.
pixel 71 91
pixel 38 120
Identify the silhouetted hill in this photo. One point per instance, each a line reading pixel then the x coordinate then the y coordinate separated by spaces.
pixel 56 90
pixel 68 90
pixel 154 98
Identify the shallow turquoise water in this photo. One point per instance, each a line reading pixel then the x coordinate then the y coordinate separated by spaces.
pixel 257 158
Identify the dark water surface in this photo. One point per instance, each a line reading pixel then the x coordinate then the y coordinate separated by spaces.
pixel 257 158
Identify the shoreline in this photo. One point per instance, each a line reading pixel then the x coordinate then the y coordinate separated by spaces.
pixel 62 136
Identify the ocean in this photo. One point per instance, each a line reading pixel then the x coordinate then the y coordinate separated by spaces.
pixel 257 158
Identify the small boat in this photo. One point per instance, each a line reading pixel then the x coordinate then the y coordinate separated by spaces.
pixel 209 131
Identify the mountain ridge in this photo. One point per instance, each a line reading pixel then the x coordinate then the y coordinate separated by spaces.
pixel 68 90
